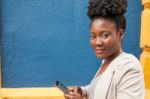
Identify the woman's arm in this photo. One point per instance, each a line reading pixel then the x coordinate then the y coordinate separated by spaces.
pixel 85 90
pixel 131 85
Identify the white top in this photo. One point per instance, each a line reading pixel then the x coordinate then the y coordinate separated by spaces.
pixel 100 85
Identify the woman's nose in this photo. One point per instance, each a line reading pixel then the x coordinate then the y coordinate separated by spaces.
pixel 99 41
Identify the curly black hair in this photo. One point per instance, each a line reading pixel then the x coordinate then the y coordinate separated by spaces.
pixel 112 9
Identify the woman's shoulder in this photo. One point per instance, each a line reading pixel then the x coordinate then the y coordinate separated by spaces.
pixel 127 61
pixel 125 65
pixel 128 74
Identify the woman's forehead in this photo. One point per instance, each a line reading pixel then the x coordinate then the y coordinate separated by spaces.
pixel 101 22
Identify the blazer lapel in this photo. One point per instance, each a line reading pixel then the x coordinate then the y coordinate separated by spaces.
pixel 104 82
pixel 102 86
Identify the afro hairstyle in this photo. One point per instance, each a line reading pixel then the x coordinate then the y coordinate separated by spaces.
pixel 106 8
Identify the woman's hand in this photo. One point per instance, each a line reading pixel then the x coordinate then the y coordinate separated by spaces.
pixel 74 93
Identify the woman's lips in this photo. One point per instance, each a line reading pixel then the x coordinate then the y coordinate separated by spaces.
pixel 99 51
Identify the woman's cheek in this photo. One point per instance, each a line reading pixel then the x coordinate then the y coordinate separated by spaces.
pixel 92 43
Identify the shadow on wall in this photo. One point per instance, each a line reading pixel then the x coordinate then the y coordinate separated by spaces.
pixel 0 25
pixel 0 38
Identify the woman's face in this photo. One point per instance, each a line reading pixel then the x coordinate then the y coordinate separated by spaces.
pixel 105 38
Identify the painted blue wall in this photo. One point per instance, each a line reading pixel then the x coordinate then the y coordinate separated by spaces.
pixel 48 40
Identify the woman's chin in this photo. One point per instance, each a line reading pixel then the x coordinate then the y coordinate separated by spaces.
pixel 100 56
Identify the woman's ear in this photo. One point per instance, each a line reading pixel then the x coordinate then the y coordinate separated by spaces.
pixel 121 34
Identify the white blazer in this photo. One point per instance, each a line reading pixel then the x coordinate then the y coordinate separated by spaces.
pixel 123 80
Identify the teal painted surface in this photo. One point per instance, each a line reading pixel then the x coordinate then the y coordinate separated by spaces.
pixel 48 40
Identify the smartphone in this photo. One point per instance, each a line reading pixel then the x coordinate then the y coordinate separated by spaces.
pixel 62 87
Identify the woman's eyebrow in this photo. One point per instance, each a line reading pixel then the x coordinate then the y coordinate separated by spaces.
pixel 92 32
pixel 102 31
pixel 105 31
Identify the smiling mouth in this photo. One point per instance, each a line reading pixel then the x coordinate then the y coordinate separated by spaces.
pixel 99 51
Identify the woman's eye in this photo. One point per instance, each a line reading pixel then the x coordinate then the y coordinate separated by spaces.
pixel 105 35
pixel 92 36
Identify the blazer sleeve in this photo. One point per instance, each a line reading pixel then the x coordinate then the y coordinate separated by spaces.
pixel 85 90
pixel 131 83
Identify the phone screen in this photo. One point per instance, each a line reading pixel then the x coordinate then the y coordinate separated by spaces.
pixel 62 87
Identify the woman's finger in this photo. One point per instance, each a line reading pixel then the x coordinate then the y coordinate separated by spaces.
pixel 72 88
pixel 68 96
pixel 73 93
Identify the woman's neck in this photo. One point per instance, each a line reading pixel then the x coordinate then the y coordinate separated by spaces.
pixel 113 56
pixel 107 61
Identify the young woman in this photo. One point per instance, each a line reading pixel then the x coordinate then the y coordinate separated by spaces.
pixel 120 75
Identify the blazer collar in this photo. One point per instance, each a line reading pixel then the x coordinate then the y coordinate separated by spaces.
pixel 103 84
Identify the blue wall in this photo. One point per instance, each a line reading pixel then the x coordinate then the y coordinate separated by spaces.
pixel 48 40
